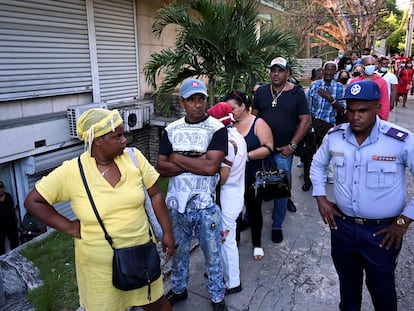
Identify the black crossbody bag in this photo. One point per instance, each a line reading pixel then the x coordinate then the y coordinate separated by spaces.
pixel 132 267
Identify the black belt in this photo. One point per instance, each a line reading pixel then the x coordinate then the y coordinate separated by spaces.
pixel 365 221
pixel 369 222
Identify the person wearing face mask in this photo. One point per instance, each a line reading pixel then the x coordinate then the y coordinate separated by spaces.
pixel 348 66
pixel 369 63
pixel 389 77
pixel 365 52
pixel 343 77
pixel 339 56
pixel 405 74
pixel 357 70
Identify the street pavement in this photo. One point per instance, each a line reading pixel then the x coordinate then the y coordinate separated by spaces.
pixel 298 273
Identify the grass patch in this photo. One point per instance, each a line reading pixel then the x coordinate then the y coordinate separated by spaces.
pixel 54 256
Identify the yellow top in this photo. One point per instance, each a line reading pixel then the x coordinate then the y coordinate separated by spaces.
pixel 123 214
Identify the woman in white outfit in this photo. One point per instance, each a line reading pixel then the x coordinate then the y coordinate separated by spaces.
pixel 231 197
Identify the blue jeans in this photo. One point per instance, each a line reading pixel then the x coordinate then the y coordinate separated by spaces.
pixel 206 224
pixel 280 205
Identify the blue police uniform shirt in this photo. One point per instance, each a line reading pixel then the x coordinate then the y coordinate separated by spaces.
pixel 370 178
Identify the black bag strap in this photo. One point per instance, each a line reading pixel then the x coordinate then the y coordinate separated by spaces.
pixel 107 236
pixel 273 164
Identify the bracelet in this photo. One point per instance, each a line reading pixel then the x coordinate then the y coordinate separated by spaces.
pixel 334 101
pixel 248 156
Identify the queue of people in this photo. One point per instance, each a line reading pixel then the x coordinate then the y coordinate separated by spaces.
pixel 211 156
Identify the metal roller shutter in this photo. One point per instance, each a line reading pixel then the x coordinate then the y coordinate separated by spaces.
pixel 44 48
pixel 116 48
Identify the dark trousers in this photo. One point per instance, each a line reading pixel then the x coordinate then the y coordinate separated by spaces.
pixel 321 128
pixel 355 251
pixel 9 232
pixel 254 212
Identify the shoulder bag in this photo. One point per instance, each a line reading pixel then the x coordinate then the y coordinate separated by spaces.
pixel 132 267
pixel 271 183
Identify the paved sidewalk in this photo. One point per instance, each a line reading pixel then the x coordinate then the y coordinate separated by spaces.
pixel 298 274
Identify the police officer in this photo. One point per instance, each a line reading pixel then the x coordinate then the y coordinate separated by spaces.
pixel 368 220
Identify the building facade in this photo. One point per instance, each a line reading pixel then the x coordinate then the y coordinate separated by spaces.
pixel 58 58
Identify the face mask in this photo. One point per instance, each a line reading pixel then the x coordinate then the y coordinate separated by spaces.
pixel 348 67
pixel 343 80
pixel 369 70
pixel 357 73
pixel 402 65
pixel 363 56
pixel 384 69
pixel 340 55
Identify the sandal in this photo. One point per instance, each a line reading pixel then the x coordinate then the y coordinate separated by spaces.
pixel 258 253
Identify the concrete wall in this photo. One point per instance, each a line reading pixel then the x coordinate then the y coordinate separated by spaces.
pixel 148 43
pixel 307 64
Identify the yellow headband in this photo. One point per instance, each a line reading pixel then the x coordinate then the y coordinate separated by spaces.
pixel 97 122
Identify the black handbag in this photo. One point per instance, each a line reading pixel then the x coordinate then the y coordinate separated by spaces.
pixel 132 267
pixel 271 183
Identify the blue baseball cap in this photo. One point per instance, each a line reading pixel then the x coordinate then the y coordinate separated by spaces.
pixel 362 90
pixel 191 87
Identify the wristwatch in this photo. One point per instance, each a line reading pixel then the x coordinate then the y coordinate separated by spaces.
pixel 292 146
pixel 400 221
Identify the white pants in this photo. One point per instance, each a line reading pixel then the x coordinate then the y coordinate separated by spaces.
pixel 229 250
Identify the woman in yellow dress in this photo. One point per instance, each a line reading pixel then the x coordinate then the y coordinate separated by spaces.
pixel 116 185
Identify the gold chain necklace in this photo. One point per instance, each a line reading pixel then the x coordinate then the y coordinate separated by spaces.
pixel 274 102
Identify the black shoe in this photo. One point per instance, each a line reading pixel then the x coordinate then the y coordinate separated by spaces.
pixel 306 186
pixel 233 290
pixel 277 236
pixel 219 306
pixel 173 297
pixel 291 207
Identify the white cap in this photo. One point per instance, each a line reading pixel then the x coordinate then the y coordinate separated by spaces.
pixel 278 61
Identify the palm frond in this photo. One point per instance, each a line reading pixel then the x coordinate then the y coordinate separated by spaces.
pixel 217 40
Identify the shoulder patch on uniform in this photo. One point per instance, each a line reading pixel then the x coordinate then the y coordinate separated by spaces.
pixel 335 129
pixel 396 133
